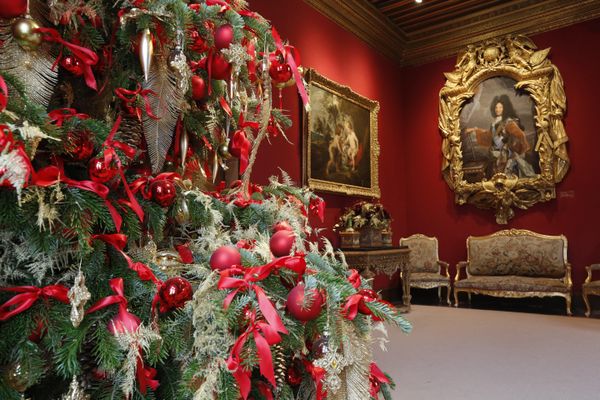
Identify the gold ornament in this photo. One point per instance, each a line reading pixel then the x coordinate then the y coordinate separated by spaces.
pixel 169 261
pixel 224 151
pixel 184 143
pixel 23 31
pixel 75 392
pixel 146 51
pixel 182 212
pixel 16 377
pixel 79 295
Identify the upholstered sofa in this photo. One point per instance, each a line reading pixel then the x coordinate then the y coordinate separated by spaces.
pixel 515 263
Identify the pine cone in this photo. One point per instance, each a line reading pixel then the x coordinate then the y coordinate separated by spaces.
pixel 88 364
pixel 280 365
pixel 131 132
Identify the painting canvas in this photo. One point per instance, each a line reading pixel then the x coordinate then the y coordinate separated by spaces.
pixel 340 139
pixel 498 132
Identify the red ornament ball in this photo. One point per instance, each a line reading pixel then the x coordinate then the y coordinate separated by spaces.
pixel 281 243
pixel 220 67
pixel 12 8
pixel 72 65
pixel 163 192
pixel 223 36
pixel 100 172
pixel 198 88
pixel 294 374
pixel 301 308
pixel 280 73
pixel 225 257
pixel 368 296
pixel 282 226
pixel 174 293
pixel 79 146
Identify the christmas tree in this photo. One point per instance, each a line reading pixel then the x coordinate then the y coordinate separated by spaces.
pixel 126 269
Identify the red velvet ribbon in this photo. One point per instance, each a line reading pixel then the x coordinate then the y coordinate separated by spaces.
pixel 85 56
pixel 355 279
pixel 264 336
pixel 3 94
pixel 240 145
pixel 145 377
pixel 129 98
pixel 60 115
pixel 119 241
pixel 52 174
pixel 379 376
pixel 7 144
pixel 351 308
pixel 318 375
pixel 27 296
pixel 289 52
pixel 116 285
pixel 317 207
pixel 185 253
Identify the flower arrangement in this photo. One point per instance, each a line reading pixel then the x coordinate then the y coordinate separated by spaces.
pixel 364 214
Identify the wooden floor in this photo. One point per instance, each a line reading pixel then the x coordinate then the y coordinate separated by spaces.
pixel 474 354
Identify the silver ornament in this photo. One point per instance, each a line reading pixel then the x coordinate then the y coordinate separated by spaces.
pixel 146 51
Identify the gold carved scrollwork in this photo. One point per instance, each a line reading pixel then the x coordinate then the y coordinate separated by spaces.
pixel 518 58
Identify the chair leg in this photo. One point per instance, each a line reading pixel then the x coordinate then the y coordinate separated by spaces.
pixel 448 295
pixel 586 300
pixel 439 294
pixel 455 297
pixel 469 298
pixel 568 299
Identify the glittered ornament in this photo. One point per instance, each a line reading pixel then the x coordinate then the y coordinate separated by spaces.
pixel 72 65
pixel 199 89
pixel 163 192
pixel 281 243
pixel 223 36
pixel 182 211
pixel 220 67
pixel 12 8
pixel 225 257
pixel 79 145
pixel 16 377
pixel 223 151
pixel 280 72
pixel 100 172
pixel 282 226
pixel 302 305
pixel 174 293
pixel 24 33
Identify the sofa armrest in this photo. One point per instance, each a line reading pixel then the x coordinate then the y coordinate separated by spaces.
pixel 590 269
pixel 568 280
pixel 459 266
pixel 445 266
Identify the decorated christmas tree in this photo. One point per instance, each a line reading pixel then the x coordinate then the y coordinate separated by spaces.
pixel 127 268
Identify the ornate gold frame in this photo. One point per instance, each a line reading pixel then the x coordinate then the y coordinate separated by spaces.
pixel 518 58
pixel 318 80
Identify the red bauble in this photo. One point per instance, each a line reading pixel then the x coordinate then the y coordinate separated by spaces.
pixel 72 65
pixel 220 67
pixel 294 374
pixel 282 226
pixel 368 296
pixel 174 293
pixel 197 42
pixel 79 145
pixel 225 257
pixel 100 172
pixel 198 88
pixel 12 8
pixel 281 243
pixel 123 322
pixel 163 192
pixel 301 309
pixel 223 36
pixel 280 73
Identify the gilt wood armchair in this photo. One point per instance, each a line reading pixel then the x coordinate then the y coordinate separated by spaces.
pixel 590 287
pixel 425 266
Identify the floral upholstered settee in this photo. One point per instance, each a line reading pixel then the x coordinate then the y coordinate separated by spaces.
pixel 515 263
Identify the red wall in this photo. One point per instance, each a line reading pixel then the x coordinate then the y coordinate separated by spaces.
pixel 343 58
pixel 576 211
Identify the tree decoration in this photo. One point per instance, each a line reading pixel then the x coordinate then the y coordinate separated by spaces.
pixel 78 296
pixel 199 90
pixel 16 377
pixel 225 257
pixel 146 51
pixel 282 242
pixel 223 36
pixel 174 293
pixel 163 192
pixel 100 171
pixel 25 33
pixel 304 305
pixel 13 8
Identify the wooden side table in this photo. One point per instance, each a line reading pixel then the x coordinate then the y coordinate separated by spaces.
pixel 371 262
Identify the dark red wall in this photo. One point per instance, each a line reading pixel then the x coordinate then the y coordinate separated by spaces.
pixel 343 58
pixel 576 211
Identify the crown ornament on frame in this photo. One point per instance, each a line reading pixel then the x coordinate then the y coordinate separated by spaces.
pixel 520 155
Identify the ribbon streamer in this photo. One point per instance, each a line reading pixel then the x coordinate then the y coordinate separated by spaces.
pixel 288 53
pixel 129 98
pixel 3 94
pixel 28 295
pixel 61 115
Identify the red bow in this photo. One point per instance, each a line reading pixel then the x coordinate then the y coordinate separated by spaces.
pixel 124 320
pixel 318 375
pixel 28 295
pixel 289 54
pixel 145 377
pixel 3 94
pixel 60 115
pixel 357 303
pixel 119 241
pixel 85 56
pixel 264 336
pixel 317 207
pixel 129 98
pixel 355 279
pixel 376 376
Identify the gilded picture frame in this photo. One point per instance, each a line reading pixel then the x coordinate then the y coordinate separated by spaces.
pixel 341 148
pixel 517 156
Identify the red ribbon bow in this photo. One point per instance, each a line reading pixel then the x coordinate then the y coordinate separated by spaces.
pixel 240 145
pixel 119 241
pixel 3 94
pixel 85 56
pixel 124 320
pixel 376 376
pixel 145 377
pixel 317 207
pixel 60 115
pixel 264 336
pixel 318 375
pixel 27 296
pixel 290 53
pixel 129 98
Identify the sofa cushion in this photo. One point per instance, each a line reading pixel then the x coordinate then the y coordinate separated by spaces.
pixel 423 254
pixel 510 253
pixel 512 283
pixel 418 277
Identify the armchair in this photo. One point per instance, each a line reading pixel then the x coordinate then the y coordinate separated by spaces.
pixel 590 287
pixel 425 266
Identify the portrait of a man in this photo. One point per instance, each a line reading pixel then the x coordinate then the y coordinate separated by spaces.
pixel 498 132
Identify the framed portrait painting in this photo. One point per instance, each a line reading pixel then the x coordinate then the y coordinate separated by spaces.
pixel 504 143
pixel 341 149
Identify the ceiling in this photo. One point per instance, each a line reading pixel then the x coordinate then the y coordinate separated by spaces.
pixel 412 33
